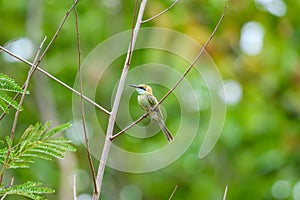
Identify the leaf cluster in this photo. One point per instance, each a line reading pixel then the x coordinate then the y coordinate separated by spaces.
pixel 29 189
pixel 8 84
pixel 36 142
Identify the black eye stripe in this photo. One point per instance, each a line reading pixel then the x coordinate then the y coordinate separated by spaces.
pixel 142 88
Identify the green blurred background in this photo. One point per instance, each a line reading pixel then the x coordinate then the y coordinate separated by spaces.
pixel 256 50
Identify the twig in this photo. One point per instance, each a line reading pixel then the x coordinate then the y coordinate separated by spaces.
pixel 59 28
pixel 128 127
pixel 225 192
pixel 82 103
pixel 161 13
pixel 111 122
pixel 12 133
pixel 43 55
pixel 10 185
pixel 30 73
pixel 173 192
pixel 74 187
pixel 55 79
pixel 181 78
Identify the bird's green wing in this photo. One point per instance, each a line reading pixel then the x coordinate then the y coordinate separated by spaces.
pixel 152 100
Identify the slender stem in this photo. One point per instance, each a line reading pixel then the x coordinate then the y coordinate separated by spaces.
pixel 30 73
pixel 225 192
pixel 176 186
pixel 58 29
pixel 55 79
pixel 128 127
pixel 12 133
pixel 181 78
pixel 161 13
pixel 82 103
pixel 112 117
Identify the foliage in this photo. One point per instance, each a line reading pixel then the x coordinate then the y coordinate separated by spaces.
pixel 29 189
pixel 36 142
pixel 8 84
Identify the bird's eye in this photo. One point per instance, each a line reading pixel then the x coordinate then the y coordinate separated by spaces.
pixel 142 88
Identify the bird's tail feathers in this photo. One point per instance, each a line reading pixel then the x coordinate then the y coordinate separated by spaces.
pixel 166 131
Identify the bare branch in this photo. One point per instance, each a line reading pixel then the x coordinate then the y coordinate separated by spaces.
pixel 196 59
pixel 10 185
pixel 161 13
pixel 12 133
pixel 58 29
pixel 128 127
pixel 30 73
pixel 225 192
pixel 55 79
pixel 115 107
pixel 43 55
pixel 173 192
pixel 82 103
pixel 181 78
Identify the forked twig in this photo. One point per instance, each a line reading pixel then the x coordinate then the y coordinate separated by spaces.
pixel 128 127
pixel 173 192
pixel 12 133
pixel 112 118
pixel 43 55
pixel 59 28
pixel 82 103
pixel 181 78
pixel 161 13
pixel 30 73
pixel 55 79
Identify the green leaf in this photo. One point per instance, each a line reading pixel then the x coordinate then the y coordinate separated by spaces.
pixel 32 190
pixel 37 142
pixel 8 84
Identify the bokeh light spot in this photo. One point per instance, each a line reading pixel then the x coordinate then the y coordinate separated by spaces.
pixel 252 36
pixel 23 47
pixel 281 189
pixel 130 192
pixel 233 92
pixel 296 191
pixel 275 7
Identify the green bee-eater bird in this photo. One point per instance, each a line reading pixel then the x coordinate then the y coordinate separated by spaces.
pixel 147 102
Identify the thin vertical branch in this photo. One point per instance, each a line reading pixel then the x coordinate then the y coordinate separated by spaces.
pixel 119 92
pixel 173 192
pixel 30 73
pixel 59 28
pixel 89 156
pixel 181 78
pixel 225 192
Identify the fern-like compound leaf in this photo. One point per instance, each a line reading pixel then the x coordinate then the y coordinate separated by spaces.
pixel 32 190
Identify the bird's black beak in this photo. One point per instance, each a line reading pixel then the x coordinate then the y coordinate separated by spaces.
pixel 132 85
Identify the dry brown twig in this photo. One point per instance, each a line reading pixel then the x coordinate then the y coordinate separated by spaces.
pixel 82 104
pixel 12 133
pixel 161 13
pixel 180 79
pixel 48 74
